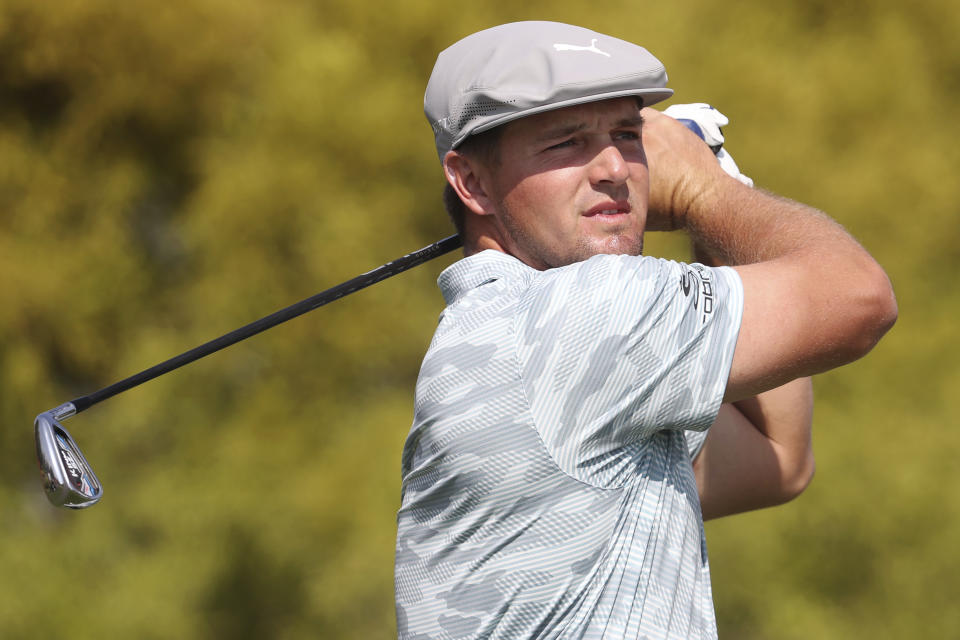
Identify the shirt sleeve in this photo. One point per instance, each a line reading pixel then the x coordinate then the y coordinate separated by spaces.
pixel 615 349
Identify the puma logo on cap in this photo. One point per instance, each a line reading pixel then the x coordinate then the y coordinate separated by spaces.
pixel 573 47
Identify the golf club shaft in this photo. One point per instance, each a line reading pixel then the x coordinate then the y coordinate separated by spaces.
pixel 309 304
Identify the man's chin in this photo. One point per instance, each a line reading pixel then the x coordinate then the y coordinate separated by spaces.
pixel 617 245
pixel 586 248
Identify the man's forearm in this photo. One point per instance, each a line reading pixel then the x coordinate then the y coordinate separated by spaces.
pixel 785 417
pixel 758 452
pixel 746 225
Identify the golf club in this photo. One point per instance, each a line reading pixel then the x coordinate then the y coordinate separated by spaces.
pixel 70 482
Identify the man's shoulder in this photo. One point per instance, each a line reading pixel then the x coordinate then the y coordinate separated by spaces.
pixel 607 273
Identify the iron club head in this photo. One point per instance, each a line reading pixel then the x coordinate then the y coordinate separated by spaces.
pixel 68 479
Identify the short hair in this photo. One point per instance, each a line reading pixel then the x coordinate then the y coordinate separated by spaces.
pixel 483 147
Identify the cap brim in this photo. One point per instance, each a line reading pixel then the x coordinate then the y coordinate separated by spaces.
pixel 649 97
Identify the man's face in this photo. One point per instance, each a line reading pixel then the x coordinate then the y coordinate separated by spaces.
pixel 571 183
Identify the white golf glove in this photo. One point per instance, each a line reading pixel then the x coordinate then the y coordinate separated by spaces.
pixel 709 121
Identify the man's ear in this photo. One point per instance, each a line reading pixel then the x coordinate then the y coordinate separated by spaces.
pixel 466 175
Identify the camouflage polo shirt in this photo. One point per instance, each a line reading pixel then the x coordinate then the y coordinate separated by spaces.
pixel 547 487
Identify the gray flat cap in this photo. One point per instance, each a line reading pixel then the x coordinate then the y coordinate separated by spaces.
pixel 514 70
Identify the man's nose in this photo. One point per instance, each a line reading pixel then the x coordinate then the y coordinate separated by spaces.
pixel 609 166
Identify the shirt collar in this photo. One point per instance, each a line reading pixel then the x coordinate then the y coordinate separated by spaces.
pixel 480 268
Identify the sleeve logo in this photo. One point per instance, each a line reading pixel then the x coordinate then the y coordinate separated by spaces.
pixel 697 281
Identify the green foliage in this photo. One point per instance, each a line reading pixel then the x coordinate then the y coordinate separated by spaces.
pixel 169 171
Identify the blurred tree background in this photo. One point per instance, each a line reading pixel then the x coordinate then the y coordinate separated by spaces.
pixel 172 170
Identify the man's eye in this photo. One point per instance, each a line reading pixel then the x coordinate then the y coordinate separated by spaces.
pixel 628 135
pixel 561 145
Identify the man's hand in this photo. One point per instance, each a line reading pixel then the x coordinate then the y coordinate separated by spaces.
pixel 682 169
pixel 707 119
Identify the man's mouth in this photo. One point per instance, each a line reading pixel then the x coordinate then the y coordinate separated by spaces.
pixel 609 209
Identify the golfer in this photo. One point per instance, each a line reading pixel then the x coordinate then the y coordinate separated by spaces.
pixel 549 485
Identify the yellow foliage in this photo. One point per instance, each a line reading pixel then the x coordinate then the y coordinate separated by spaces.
pixel 171 170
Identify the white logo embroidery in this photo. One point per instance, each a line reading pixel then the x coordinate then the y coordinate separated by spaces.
pixel 573 47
